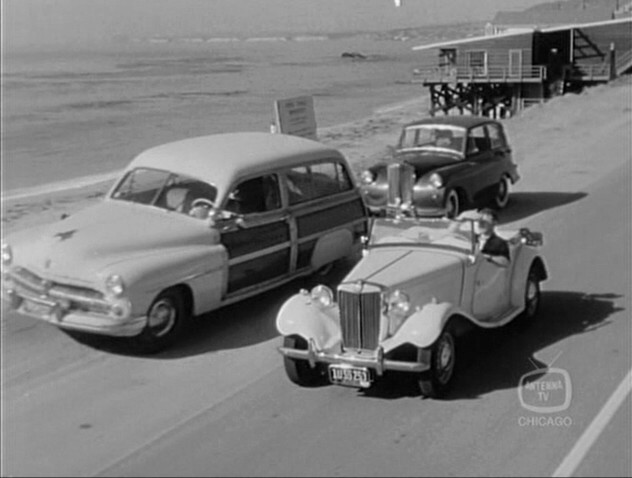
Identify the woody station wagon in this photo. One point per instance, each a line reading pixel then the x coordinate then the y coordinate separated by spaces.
pixel 189 227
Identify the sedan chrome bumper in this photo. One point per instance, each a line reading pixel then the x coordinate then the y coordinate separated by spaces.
pixel 374 360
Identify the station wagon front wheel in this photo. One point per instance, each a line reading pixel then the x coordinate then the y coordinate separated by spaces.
pixel 165 318
pixel 435 382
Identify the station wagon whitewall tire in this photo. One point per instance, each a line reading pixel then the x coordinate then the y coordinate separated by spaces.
pixel 165 318
pixel 501 193
pixel 299 371
pixel 435 382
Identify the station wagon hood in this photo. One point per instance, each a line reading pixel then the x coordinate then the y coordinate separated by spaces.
pixel 396 267
pixel 426 161
pixel 87 242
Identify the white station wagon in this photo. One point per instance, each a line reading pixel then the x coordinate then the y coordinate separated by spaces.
pixel 189 227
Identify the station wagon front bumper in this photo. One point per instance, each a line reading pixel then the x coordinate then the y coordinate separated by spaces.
pixel 362 358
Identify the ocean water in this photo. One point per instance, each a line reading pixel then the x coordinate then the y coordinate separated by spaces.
pixel 86 112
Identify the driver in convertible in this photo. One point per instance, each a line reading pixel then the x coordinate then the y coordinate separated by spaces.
pixel 494 248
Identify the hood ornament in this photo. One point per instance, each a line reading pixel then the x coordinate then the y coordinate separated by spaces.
pixel 65 235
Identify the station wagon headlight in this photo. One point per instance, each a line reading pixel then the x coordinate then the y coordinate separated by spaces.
pixel 397 309
pixel 7 254
pixel 114 285
pixel 367 177
pixel 322 295
pixel 435 180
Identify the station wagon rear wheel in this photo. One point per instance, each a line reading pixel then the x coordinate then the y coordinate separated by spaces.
pixel 299 371
pixel 501 193
pixel 434 383
pixel 165 318
pixel 452 204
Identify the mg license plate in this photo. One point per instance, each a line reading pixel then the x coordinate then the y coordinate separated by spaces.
pixel 349 376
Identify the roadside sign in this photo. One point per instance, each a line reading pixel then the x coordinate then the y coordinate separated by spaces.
pixel 296 116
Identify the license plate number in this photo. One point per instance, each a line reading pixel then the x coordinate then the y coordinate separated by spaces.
pixel 349 376
pixel 41 310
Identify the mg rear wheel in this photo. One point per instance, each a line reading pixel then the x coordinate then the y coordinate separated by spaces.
pixel 299 371
pixel 435 382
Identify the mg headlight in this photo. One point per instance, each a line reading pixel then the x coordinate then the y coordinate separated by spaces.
pixel 435 180
pixel 114 285
pixel 7 254
pixel 397 309
pixel 322 295
pixel 367 177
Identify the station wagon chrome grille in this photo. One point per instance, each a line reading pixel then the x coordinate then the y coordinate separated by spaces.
pixel 81 298
pixel 360 319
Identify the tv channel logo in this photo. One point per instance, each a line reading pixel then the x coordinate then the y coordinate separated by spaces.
pixel 545 390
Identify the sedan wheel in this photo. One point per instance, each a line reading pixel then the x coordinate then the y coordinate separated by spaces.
pixel 501 196
pixel 435 382
pixel 165 318
pixel 452 204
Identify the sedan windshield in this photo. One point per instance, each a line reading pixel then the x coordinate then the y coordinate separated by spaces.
pixel 431 232
pixel 433 137
pixel 165 190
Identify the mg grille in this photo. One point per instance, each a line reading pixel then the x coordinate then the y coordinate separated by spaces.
pixel 360 319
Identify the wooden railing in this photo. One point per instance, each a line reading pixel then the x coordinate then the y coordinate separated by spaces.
pixel 492 73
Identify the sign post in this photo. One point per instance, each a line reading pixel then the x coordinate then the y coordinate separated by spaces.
pixel 295 116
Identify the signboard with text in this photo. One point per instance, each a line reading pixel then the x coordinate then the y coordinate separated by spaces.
pixel 296 116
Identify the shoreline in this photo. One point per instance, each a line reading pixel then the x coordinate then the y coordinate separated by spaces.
pixel 539 135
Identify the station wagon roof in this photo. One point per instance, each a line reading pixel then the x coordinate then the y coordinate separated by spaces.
pixel 220 158
pixel 462 121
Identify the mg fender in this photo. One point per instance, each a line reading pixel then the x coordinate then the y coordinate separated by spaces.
pixel 299 315
pixel 423 327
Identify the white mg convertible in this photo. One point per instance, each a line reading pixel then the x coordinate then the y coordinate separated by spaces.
pixel 420 283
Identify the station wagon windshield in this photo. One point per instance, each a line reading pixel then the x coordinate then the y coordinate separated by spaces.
pixel 443 233
pixel 433 137
pixel 164 189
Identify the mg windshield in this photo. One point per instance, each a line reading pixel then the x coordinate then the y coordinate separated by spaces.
pixel 164 189
pixel 433 137
pixel 429 232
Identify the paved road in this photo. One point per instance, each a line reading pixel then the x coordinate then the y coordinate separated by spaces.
pixel 220 404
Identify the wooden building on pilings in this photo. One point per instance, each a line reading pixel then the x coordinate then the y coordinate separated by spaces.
pixel 498 75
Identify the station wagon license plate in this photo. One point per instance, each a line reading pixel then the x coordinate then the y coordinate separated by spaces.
pixel 349 376
pixel 35 308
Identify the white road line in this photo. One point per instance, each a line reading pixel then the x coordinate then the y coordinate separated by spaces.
pixel 590 435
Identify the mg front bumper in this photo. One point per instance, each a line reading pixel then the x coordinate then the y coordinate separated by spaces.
pixel 373 359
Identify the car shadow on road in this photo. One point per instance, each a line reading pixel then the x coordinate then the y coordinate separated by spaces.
pixel 524 204
pixel 245 323
pixel 496 359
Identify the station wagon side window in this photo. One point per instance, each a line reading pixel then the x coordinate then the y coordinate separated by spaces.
pixel 256 195
pixel 305 183
pixel 495 136
pixel 477 140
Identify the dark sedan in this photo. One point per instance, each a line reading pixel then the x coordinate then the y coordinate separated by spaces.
pixel 457 161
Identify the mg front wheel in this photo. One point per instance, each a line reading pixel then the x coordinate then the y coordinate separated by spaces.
pixel 299 371
pixel 435 382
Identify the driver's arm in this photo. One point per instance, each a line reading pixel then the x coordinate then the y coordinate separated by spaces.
pixel 496 251
pixel 500 261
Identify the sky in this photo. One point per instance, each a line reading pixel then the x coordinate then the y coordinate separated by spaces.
pixel 42 22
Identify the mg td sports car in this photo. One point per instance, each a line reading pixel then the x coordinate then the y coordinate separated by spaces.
pixel 419 285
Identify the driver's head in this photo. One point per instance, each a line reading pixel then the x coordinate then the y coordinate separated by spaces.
pixel 487 220
pixel 444 137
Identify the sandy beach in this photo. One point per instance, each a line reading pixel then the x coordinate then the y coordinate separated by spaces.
pixel 541 136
